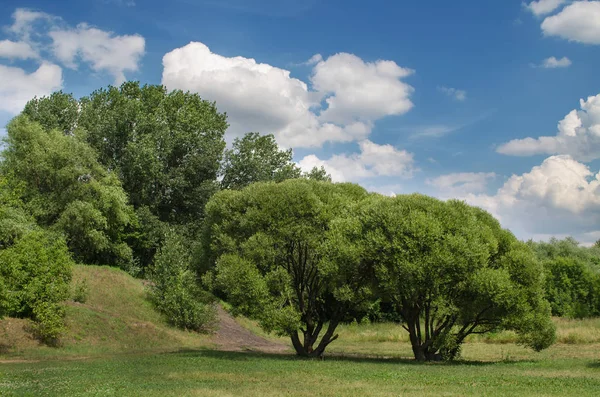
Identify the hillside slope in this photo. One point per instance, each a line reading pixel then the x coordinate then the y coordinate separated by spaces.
pixel 116 317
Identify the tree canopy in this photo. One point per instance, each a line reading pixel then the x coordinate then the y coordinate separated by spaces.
pixel 267 247
pixel 65 188
pixel 572 277
pixel 448 270
pixel 164 146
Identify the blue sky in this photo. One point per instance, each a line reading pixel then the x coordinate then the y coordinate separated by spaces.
pixel 444 98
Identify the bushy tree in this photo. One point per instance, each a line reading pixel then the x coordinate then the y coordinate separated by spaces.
pixel 267 250
pixel 65 188
pixel 256 158
pixel 174 289
pixel 448 270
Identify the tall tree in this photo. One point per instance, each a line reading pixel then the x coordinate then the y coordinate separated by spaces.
pixel 449 271
pixel 164 146
pixel 256 158
pixel 64 187
pixel 266 248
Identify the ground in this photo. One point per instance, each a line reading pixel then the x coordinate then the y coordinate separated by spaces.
pixel 118 345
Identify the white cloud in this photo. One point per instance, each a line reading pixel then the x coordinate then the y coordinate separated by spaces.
pixel 373 160
pixel 18 86
pixel 543 7
pixel 459 95
pixel 553 63
pixel 462 183
pixel 264 98
pixel 16 50
pixel 104 51
pixel 23 22
pixel 314 59
pixel 361 91
pixel 578 136
pixel 579 21
pixel 559 197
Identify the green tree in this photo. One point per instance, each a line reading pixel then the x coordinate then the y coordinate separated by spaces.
pixel 166 146
pixel 256 158
pixel 35 267
pixel 267 250
pixel 174 289
pixel 65 188
pixel 449 271
pixel 572 277
pixel 59 111
pixel 317 174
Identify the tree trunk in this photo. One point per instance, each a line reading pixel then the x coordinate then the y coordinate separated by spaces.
pixel 307 349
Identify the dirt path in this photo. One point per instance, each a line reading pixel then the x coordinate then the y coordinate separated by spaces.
pixel 233 337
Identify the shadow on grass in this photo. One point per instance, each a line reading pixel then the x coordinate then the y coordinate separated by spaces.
pixel 354 358
pixel 595 364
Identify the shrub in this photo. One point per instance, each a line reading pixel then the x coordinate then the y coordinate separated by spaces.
pixel 81 291
pixel 174 288
pixel 36 272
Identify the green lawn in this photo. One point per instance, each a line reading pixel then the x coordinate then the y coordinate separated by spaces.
pixel 213 373
pixel 117 345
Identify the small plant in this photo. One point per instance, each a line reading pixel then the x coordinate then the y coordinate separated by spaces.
pixel 81 291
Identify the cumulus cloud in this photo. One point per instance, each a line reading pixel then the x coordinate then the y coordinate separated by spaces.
pixel 543 7
pixel 579 21
pixel 265 98
pixel 459 95
pixel 16 50
pixel 578 136
pixel 43 36
pixel 361 91
pixel 373 160
pixel 553 63
pixel 18 86
pixel 462 183
pixel 558 197
pixel 103 51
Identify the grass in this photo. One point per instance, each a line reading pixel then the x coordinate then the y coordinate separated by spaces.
pixel 115 317
pixel 214 373
pixel 118 344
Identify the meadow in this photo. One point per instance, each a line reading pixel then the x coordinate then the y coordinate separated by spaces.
pixel 117 345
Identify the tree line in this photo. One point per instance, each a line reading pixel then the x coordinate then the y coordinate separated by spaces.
pixel 140 178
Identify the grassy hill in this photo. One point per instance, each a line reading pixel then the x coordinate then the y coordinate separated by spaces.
pixel 116 317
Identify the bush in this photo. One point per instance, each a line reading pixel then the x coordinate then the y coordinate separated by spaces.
pixel 174 288
pixel 81 291
pixel 36 272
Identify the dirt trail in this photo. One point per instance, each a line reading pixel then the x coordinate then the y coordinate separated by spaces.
pixel 233 337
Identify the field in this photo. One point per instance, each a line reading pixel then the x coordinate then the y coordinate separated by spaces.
pixel 118 346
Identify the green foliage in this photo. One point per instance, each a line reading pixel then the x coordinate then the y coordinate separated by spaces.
pixel 81 291
pixel 65 188
pixel 267 251
pixel 59 111
pixel 572 277
pixel 166 147
pixel 35 273
pixel 448 270
pixel 256 158
pixel 174 289
pixel 317 174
